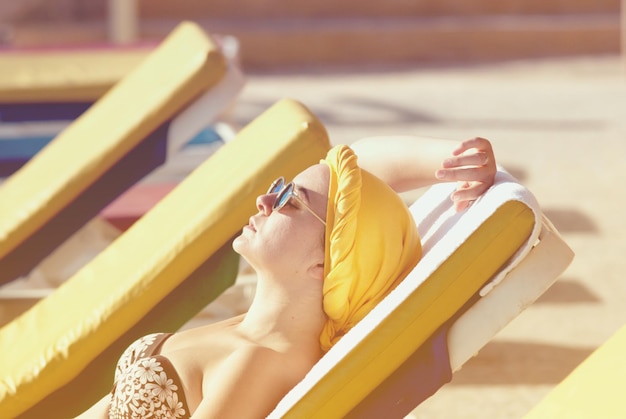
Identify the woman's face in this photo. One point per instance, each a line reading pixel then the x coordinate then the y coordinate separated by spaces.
pixel 289 240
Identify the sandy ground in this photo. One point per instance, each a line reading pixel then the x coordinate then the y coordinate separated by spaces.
pixel 560 127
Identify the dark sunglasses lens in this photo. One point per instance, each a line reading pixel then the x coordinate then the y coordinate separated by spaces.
pixel 276 186
pixel 283 197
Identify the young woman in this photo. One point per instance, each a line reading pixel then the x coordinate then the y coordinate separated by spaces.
pixel 327 247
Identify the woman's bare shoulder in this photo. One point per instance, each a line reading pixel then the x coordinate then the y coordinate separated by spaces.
pixel 274 364
pixel 252 380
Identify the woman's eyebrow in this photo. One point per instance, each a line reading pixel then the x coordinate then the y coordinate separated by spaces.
pixel 302 193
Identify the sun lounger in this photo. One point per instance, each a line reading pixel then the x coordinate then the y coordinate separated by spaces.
pixel 43 90
pixel 150 114
pixel 480 268
pixel 595 389
pixel 63 76
pixel 59 357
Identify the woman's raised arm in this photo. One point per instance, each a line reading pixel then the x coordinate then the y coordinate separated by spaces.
pixel 408 162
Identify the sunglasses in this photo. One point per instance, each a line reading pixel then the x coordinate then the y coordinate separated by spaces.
pixel 285 192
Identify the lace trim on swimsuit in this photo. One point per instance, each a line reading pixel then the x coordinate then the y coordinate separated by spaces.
pixel 147 385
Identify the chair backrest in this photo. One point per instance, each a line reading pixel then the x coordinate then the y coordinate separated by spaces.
pixel 108 148
pixel 522 279
pixel 462 253
pixel 62 76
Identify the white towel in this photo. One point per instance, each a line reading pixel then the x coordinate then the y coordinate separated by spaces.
pixel 443 230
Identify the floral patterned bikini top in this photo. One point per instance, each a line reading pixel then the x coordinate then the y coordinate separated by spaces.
pixel 146 383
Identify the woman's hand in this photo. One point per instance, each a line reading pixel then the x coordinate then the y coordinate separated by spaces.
pixel 473 166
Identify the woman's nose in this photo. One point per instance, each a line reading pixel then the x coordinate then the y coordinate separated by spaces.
pixel 264 203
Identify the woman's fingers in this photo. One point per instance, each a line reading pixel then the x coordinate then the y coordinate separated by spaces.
pixel 461 200
pixel 473 160
pixel 478 158
pixel 478 143
pixel 473 166
pixel 469 191
pixel 469 174
pixel 462 205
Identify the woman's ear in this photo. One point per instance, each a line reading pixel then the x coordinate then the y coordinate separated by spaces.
pixel 317 271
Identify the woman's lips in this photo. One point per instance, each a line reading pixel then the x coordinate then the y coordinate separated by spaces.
pixel 251 225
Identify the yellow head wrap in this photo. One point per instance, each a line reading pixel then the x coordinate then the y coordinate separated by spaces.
pixel 371 244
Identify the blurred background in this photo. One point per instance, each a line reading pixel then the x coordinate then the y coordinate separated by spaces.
pixel 279 33
pixel 544 80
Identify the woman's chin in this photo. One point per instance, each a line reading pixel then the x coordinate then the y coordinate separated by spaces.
pixel 238 243
pixel 241 244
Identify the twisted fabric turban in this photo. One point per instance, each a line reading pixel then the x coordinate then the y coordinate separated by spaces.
pixel 371 244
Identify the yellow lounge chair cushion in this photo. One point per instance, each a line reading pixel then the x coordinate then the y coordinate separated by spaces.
pixel 185 65
pixel 595 389
pixel 81 75
pixel 193 294
pixel 51 344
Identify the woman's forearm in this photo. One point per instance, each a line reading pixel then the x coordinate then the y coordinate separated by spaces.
pixel 404 162
pixel 407 162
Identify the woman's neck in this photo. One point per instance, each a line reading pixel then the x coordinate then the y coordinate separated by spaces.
pixel 288 314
